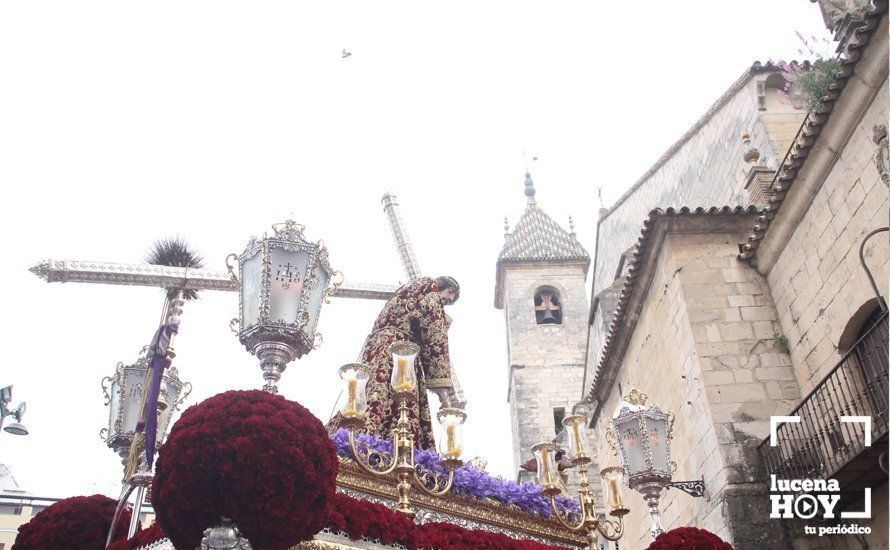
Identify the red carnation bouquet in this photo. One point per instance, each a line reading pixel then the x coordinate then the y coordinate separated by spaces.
pixel 142 538
pixel 448 536
pixel 689 538
pixel 258 459
pixel 76 523
pixel 361 518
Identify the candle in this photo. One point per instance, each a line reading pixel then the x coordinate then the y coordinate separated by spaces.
pixel 403 380
pixel 579 443
pixel 616 494
pixel 452 445
pixel 545 467
pixel 352 401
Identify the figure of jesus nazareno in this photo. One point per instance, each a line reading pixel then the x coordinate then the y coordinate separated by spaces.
pixel 415 313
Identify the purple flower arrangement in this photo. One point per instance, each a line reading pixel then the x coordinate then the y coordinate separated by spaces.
pixel 469 481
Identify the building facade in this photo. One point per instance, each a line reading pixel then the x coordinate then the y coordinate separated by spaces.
pixel 744 276
pixel 742 280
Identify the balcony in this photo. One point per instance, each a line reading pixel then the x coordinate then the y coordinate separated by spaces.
pixel 820 445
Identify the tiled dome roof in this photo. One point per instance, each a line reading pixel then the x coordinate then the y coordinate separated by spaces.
pixel 537 237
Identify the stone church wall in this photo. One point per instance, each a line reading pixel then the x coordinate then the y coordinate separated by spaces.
pixel 704 348
pixel 817 282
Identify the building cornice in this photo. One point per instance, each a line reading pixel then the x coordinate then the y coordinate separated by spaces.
pixel 639 276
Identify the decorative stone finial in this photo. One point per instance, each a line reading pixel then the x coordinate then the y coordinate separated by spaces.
pixel 751 155
pixel 506 226
pixel 529 188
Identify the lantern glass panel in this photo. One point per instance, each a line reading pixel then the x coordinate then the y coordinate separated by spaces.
pixel 316 296
pixel 251 277
pixel 355 380
pixel 133 389
pixel 287 275
pixel 114 406
pixel 631 442
pixel 656 432
pixel 170 394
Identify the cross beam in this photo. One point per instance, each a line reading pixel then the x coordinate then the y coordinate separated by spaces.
pixel 400 236
pixel 108 273
pixel 412 269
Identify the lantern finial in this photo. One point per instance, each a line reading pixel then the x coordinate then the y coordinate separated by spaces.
pixel 636 397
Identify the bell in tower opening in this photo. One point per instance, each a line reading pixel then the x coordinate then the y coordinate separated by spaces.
pixel 547 309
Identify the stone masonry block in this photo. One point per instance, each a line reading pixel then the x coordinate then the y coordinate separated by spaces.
pixel 758 313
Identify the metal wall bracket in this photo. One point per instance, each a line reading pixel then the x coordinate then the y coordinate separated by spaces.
pixel 695 488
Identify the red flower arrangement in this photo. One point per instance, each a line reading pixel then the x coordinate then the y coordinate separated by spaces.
pixel 448 536
pixel 78 523
pixel 689 538
pixel 143 537
pixel 263 461
pixel 361 518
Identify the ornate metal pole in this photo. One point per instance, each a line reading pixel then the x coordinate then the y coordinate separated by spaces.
pixel 137 474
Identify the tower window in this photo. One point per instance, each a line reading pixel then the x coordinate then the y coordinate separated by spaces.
pixel 558 414
pixel 547 307
pixel 761 95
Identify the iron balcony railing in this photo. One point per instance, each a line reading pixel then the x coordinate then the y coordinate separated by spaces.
pixel 820 444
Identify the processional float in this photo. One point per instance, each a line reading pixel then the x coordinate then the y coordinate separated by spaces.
pixel 283 280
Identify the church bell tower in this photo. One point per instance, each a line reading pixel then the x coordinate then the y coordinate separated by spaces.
pixel 541 274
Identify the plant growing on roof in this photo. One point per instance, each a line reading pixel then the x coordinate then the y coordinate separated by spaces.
pixel 807 83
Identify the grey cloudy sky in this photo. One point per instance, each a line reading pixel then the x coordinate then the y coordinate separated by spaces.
pixel 124 122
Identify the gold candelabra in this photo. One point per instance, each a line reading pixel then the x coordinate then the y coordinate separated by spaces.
pixel 401 460
pixel 588 522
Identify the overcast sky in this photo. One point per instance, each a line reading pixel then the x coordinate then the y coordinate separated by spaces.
pixel 123 122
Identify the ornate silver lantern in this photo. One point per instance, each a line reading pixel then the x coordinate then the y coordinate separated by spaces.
pixel 284 280
pixel 644 437
pixel 124 393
